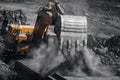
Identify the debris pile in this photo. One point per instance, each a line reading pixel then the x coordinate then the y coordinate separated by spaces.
pixel 5 72
pixel 9 17
pixel 13 16
pixel 108 50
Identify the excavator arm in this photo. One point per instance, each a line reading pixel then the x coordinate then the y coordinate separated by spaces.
pixel 44 19
pixel 47 16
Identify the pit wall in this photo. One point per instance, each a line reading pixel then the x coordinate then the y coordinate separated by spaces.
pixel 12 0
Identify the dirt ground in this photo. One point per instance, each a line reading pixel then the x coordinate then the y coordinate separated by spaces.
pixel 103 16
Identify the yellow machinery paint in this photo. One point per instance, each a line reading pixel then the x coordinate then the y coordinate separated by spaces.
pixel 24 34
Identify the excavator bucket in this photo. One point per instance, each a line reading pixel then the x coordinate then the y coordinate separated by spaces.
pixel 74 30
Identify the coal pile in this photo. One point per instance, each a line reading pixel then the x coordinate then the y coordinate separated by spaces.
pixel 8 17
pixel 5 72
pixel 13 16
pixel 108 50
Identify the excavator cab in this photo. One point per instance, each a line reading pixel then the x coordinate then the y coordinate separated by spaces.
pixel 18 37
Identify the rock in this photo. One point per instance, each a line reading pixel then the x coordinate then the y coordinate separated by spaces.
pixel 5 72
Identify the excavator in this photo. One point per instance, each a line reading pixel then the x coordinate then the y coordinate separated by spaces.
pixel 51 22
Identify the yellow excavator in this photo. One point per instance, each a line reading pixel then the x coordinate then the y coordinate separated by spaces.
pixel 51 22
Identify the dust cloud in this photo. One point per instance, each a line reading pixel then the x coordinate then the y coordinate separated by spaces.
pixel 83 63
pixel 93 62
pixel 44 58
pixel 91 59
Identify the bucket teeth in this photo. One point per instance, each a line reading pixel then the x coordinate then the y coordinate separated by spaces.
pixel 77 46
pixel 61 44
pixel 69 44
